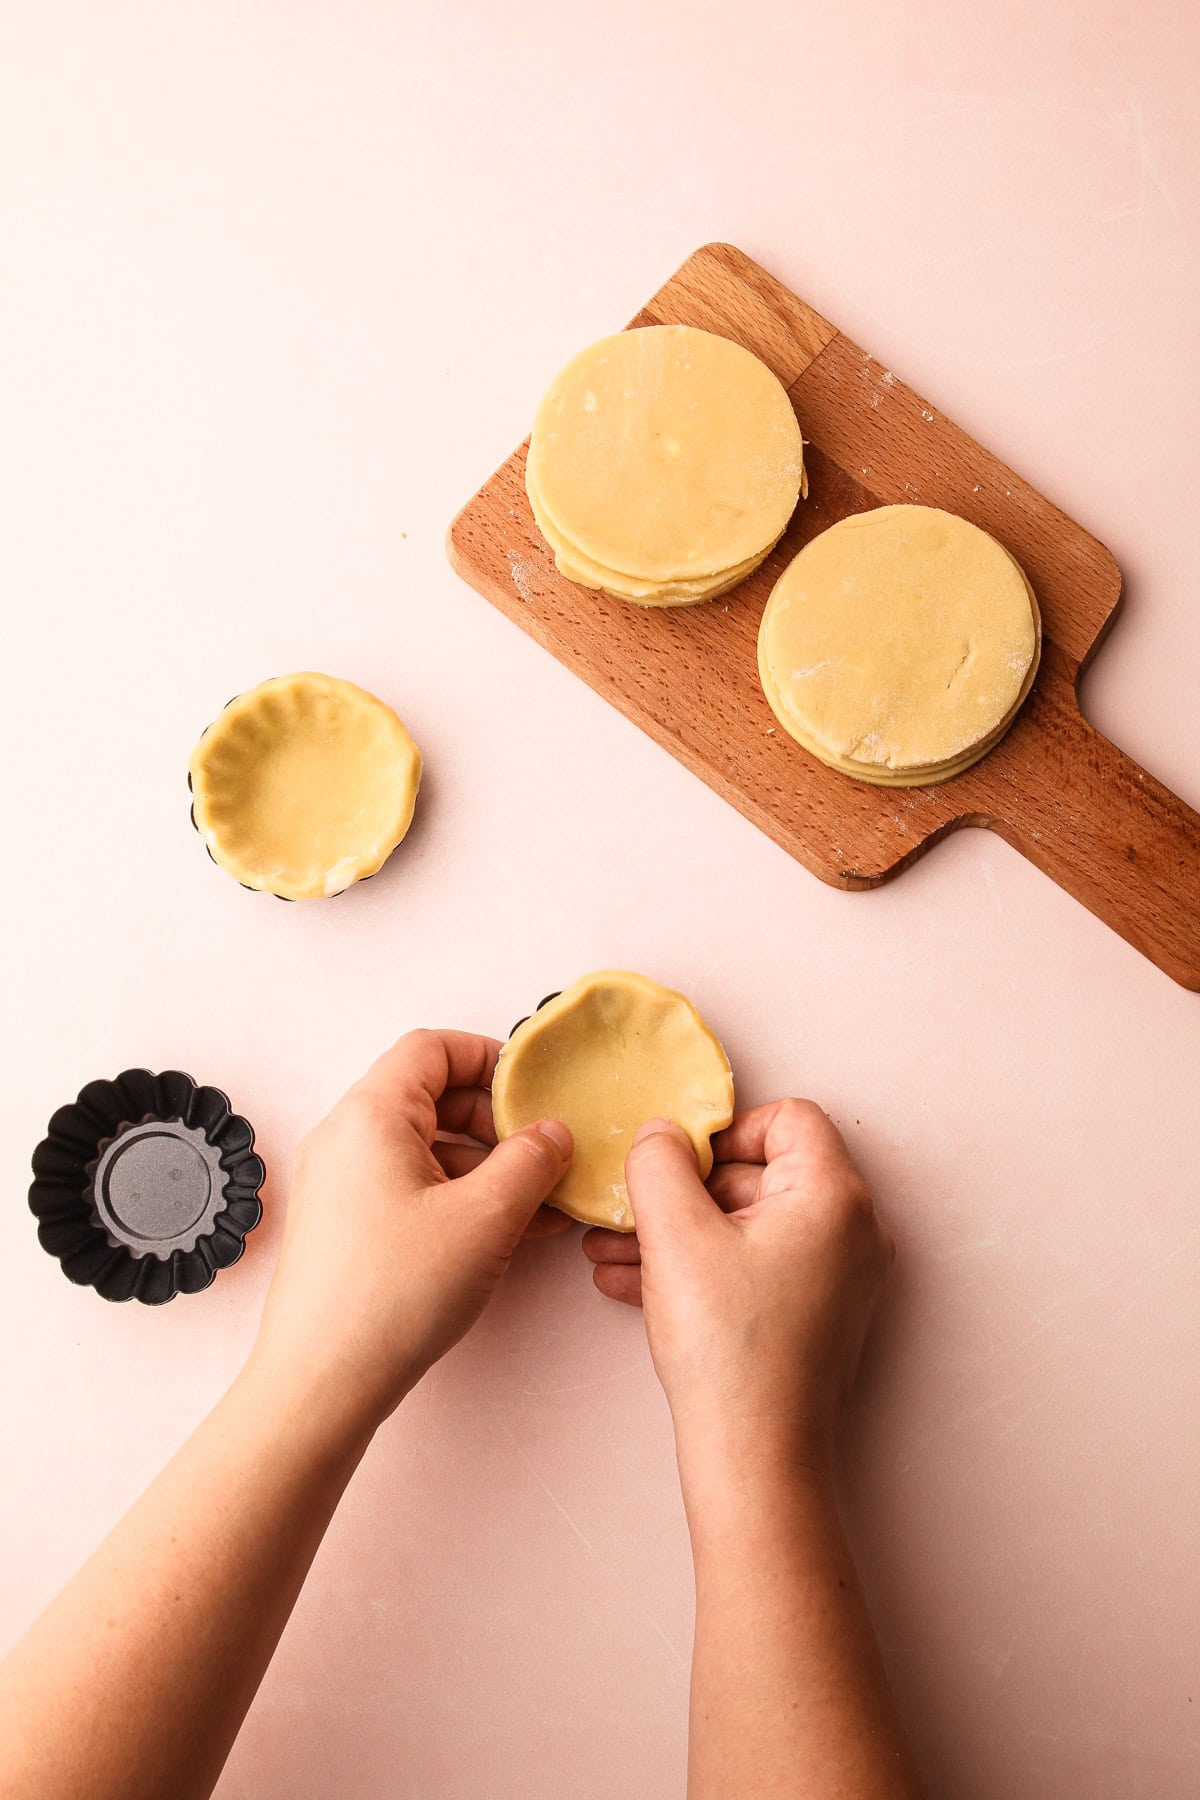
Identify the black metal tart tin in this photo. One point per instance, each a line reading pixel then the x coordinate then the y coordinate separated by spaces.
pixel 537 1008
pixel 145 1186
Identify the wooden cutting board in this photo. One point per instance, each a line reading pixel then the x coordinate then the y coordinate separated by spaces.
pixel 1056 790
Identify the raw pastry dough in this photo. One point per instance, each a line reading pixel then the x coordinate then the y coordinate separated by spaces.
pixel 580 568
pixel 611 1051
pixel 664 464
pixel 899 644
pixel 304 785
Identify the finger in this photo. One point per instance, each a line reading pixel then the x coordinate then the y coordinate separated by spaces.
pixel 459 1159
pixel 433 1061
pixel 469 1112
pixel 805 1153
pixel 412 1076
pixel 601 1246
pixel 767 1131
pixel 519 1174
pixel 546 1222
pixel 665 1189
pixel 734 1185
pixel 619 1283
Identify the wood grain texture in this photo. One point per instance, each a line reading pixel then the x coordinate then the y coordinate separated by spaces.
pixel 1061 794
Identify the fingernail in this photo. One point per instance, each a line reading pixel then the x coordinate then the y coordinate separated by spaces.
pixel 651 1128
pixel 559 1135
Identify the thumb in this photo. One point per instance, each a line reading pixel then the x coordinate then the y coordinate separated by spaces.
pixel 514 1178
pixel 665 1189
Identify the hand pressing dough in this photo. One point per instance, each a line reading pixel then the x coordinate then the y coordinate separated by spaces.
pixel 304 785
pixel 899 645
pixel 664 455
pixel 611 1051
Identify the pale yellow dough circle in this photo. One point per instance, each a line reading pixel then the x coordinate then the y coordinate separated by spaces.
pixel 581 569
pixel 666 454
pixel 611 1051
pixel 899 645
pixel 304 785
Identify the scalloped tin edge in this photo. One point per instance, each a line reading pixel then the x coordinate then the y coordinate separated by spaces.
pixel 537 1009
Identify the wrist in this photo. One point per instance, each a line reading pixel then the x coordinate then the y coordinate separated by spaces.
pixel 739 1506
pixel 319 1400
pixel 728 1455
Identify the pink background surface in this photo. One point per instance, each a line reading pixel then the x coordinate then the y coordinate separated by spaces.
pixel 282 285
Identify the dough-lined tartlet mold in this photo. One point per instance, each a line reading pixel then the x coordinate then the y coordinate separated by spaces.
pixel 304 785
pixel 899 645
pixel 146 1186
pixel 607 1053
pixel 663 466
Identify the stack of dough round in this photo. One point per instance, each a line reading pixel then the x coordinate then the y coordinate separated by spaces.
pixel 664 465
pixel 899 645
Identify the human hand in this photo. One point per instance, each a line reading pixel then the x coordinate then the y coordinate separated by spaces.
pixel 758 1290
pixel 395 1240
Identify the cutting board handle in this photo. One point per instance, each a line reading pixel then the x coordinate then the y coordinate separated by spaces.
pixel 1108 832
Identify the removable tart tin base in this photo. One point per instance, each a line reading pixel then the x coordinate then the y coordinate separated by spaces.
pixel 146 1185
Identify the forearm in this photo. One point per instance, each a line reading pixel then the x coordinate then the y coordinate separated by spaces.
pixel 789 1695
pixel 135 1681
